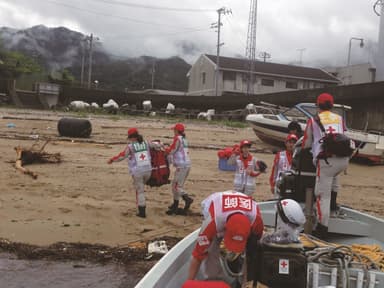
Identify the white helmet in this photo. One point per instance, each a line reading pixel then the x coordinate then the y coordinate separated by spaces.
pixel 290 212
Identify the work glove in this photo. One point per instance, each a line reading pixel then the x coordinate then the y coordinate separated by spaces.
pixel 262 165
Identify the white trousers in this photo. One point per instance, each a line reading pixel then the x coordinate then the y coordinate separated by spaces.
pixel 139 183
pixel 181 174
pixel 327 181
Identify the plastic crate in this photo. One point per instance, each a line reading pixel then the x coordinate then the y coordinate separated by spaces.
pixel 224 166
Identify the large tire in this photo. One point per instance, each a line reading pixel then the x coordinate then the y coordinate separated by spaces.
pixel 72 127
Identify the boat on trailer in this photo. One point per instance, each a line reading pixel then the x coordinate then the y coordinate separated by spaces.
pixel 270 124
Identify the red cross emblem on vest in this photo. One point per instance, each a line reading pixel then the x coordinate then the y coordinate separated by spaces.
pixel 284 264
pixel 142 156
pixel 331 130
pixel 284 203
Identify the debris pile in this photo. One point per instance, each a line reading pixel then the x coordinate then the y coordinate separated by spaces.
pixel 63 251
pixel 35 154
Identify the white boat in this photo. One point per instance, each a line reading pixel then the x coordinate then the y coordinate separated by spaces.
pixel 354 227
pixel 270 124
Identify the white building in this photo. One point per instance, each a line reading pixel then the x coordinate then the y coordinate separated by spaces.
pixel 268 77
pixel 354 74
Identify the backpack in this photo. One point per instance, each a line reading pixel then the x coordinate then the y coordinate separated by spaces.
pixel 160 168
pixel 335 143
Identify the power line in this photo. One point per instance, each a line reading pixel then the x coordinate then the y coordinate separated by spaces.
pixel 111 15
pixel 153 7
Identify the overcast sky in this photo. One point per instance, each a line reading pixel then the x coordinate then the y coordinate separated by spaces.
pixel 322 27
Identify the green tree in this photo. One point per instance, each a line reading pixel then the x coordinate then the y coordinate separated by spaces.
pixel 13 64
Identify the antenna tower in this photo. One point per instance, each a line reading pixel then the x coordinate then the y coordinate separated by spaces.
pixel 250 52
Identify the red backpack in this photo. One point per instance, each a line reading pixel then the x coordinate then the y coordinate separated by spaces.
pixel 160 169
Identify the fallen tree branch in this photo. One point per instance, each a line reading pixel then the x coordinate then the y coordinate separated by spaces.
pixel 35 154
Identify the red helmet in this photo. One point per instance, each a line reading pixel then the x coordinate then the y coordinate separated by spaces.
pixel 245 143
pixel 291 137
pixel 179 127
pixel 324 98
pixel 132 131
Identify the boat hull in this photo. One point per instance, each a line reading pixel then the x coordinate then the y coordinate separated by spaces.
pixel 356 227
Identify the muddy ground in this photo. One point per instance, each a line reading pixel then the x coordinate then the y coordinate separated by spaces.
pixel 83 199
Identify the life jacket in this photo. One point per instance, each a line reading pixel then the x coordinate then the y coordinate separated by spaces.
pixel 160 168
pixel 140 161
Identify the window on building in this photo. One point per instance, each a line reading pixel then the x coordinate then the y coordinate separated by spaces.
pixel 203 76
pixel 267 82
pixel 291 85
pixel 305 84
pixel 318 85
pixel 228 75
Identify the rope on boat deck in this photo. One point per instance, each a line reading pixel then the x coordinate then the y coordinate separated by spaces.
pixel 343 256
pixel 370 256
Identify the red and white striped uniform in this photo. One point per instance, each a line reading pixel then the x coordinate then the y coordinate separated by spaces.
pixel 244 182
pixel 139 166
pixel 216 210
pixel 179 152
pixel 328 169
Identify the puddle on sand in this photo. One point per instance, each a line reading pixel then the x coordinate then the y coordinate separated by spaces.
pixel 16 273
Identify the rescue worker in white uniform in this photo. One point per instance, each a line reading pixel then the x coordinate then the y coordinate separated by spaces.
pixel 139 165
pixel 282 163
pixel 230 219
pixel 247 169
pixel 179 156
pixel 328 167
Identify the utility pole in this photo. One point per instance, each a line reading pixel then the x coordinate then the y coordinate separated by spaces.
pixel 265 56
pixel 90 61
pixel 82 61
pixel 218 25
pixel 153 74
pixel 301 50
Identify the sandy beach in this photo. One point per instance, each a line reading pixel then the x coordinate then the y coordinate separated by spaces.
pixel 83 198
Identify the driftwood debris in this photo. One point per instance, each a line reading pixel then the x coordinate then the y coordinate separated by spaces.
pixel 35 154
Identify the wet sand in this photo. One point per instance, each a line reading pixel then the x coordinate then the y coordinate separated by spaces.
pixel 83 199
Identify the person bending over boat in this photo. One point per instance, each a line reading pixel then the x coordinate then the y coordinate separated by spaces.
pixel 231 220
pixel 282 163
pixel 179 156
pixel 139 165
pixel 247 169
pixel 328 165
